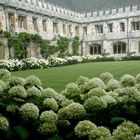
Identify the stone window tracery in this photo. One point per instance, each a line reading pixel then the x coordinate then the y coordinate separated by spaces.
pixel 119 48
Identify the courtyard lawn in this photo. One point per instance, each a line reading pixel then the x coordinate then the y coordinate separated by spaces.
pixel 58 77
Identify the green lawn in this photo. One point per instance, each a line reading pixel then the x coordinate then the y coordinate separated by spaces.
pixel 58 77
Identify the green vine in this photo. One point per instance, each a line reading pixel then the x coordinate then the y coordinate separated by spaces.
pixel 75 45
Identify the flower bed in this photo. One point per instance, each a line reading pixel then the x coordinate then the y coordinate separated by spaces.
pixel 89 109
pixel 34 63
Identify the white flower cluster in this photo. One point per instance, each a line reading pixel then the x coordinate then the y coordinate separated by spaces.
pixel 83 128
pixel 72 111
pixel 4 124
pixel 29 110
pixel 34 63
pixel 33 80
pixel 49 117
pixel 55 61
pixel 17 91
pixel 126 130
pixel 50 103
pixel 33 91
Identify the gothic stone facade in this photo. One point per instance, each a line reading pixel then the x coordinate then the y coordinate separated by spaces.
pixel 112 32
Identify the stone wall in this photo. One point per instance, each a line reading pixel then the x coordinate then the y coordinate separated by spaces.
pixel 39 17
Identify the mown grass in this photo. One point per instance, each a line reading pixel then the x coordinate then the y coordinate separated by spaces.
pixel 58 77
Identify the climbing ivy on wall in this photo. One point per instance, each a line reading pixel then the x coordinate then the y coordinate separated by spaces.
pixel 75 45
pixel 63 44
pixel 21 41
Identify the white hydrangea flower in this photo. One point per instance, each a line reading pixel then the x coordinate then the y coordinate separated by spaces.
pixel 12 108
pixel 29 110
pixel 33 91
pixel 4 124
pixel 109 99
pixel 72 111
pixel 47 128
pixel 17 91
pixel 83 128
pixel 106 77
pixel 33 80
pixel 49 117
pixel 128 80
pixel 50 103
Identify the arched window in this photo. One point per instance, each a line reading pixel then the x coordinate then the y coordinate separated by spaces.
pixel 91 50
pixel 119 48
pixel 95 49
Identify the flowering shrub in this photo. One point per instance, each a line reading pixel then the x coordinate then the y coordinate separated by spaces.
pixel 34 63
pixel 88 109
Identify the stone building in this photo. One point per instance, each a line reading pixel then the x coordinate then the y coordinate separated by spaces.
pixel 112 32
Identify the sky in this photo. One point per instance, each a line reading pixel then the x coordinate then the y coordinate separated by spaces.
pixel 93 5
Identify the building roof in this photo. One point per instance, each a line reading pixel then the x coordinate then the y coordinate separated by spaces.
pixel 93 5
